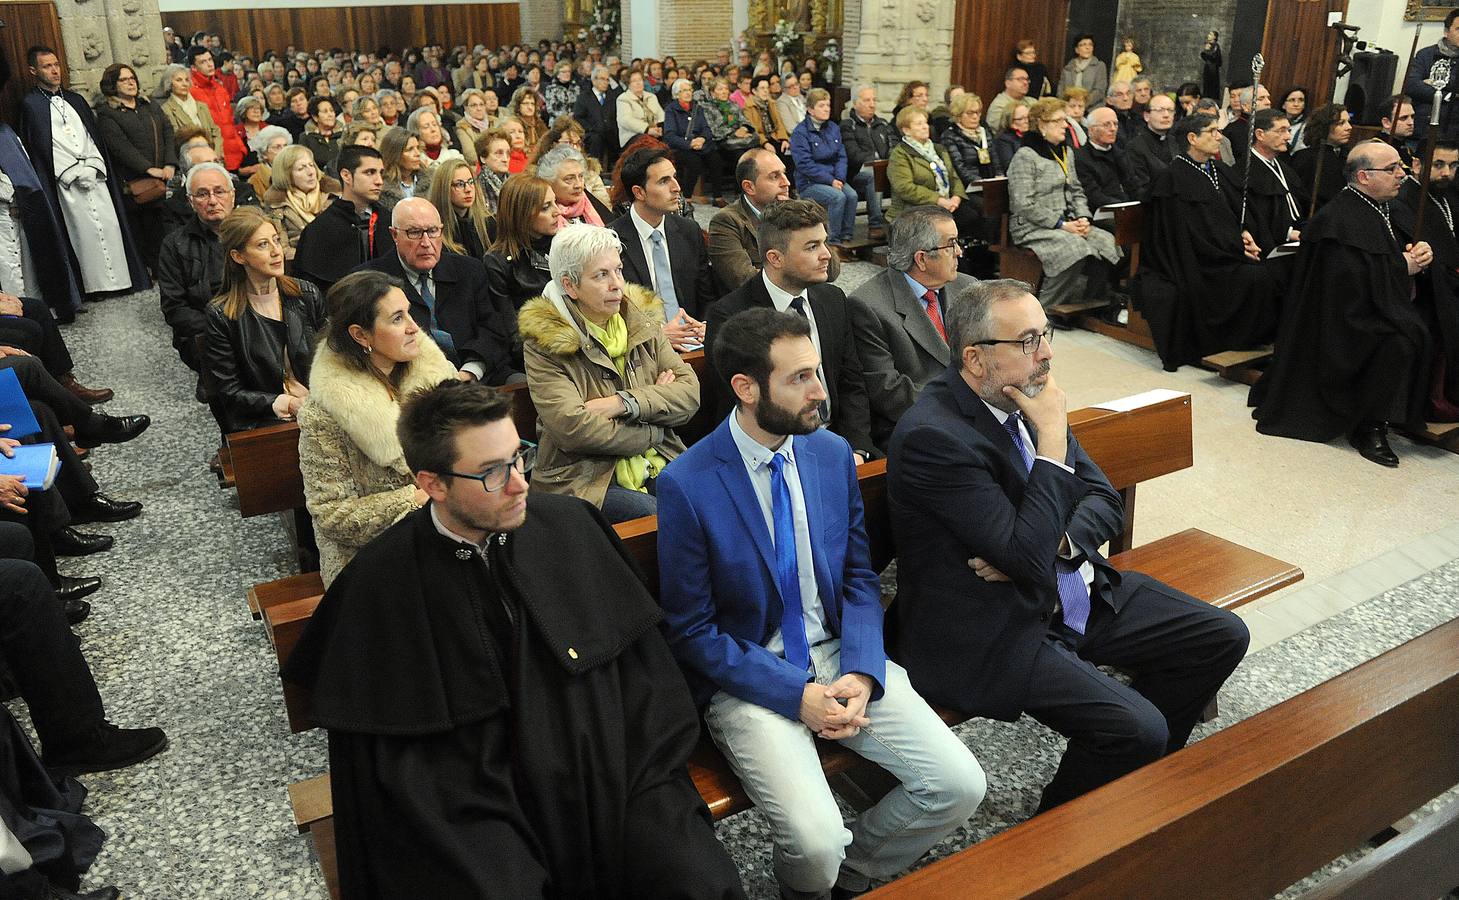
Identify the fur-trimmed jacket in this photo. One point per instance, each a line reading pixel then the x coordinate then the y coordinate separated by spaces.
pixel 565 368
pixel 356 482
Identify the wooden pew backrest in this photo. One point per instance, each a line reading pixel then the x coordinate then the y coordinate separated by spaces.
pixel 266 469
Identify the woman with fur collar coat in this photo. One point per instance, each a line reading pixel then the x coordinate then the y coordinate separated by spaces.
pixel 356 482
pixel 606 419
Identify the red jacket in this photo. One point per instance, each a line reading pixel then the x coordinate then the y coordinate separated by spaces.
pixel 219 99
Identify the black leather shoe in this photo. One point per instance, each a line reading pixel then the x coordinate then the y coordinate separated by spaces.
pixel 76 611
pixel 1371 442
pixel 113 430
pixel 70 542
pixel 76 588
pixel 103 893
pixel 108 748
pixel 101 508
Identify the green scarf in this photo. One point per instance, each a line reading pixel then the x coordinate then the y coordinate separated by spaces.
pixel 632 472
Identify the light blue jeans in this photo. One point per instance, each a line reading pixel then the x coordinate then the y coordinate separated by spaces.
pixel 865 184
pixel 840 208
pixel 776 761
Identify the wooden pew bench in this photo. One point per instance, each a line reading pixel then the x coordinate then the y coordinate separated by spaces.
pixel 1254 808
pixel 1130 446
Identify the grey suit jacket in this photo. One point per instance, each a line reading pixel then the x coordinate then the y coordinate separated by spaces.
pixel 900 350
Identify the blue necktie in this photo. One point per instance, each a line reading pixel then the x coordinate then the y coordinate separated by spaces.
pixel 1073 592
pixel 787 568
pixel 443 338
pixel 663 278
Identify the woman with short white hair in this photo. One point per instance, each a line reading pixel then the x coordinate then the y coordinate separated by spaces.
pixel 608 388
pixel 566 168
pixel 265 146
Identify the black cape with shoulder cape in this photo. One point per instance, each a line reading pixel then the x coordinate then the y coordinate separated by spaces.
pixel 1438 290
pixel 553 769
pixel 1353 346
pixel 1196 287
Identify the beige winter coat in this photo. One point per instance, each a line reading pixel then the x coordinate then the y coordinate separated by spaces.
pixel 565 368
pixel 356 482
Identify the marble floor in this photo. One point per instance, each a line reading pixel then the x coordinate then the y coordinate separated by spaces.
pixel 172 644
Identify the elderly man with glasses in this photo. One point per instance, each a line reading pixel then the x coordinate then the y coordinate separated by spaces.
pixel 1354 353
pixel 448 296
pixel 1004 603
pixel 190 263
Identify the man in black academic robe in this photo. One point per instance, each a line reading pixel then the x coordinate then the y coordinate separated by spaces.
pixel 55 280
pixel 1438 288
pixel 1353 352
pixel 1201 284
pixel 505 718
pixel 1276 199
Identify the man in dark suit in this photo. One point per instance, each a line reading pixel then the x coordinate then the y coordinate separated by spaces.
pixel 898 315
pixel 1004 604
pixel 792 237
pixel 1151 152
pixel 773 610
pixel 352 229
pixel 664 251
pixel 448 295
pixel 1103 171
pixel 596 110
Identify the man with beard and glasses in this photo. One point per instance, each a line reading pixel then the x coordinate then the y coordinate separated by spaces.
pixel 1438 287
pixel 774 612
pixel 501 724
pixel 1004 604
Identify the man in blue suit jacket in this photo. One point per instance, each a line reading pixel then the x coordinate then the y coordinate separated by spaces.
pixel 774 613
pixel 1004 603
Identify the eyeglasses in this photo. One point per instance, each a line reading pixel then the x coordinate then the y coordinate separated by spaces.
pixel 215 193
pixel 494 478
pixel 1029 344
pixel 958 244
pixel 460 185
pixel 416 234
pixel 1395 169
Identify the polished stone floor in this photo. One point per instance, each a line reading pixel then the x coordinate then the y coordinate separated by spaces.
pixel 172 644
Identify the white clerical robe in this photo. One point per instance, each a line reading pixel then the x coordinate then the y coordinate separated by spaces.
pixel 91 219
pixel 15 261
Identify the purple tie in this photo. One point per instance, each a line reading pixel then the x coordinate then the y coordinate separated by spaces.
pixel 1073 592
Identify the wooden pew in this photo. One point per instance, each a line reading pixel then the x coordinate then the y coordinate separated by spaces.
pixel 1255 807
pixel 1240 366
pixel 1130 446
pixel 1129 233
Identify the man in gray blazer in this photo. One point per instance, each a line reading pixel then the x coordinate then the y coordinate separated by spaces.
pixel 897 316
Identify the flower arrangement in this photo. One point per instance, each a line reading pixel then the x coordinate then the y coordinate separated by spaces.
pixel 603 24
pixel 830 55
pixel 785 39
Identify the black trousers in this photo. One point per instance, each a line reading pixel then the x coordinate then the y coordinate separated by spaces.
pixel 148 225
pixel 50 511
pixel 41 387
pixel 1180 651
pixel 43 655
pixel 36 333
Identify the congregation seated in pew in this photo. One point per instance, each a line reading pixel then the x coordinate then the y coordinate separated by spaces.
pixel 298 192
pixel 544 754
pixel 608 387
pixel 371 356
pixel 190 263
pixel 991 434
pixel 920 173
pixel 261 326
pixel 352 229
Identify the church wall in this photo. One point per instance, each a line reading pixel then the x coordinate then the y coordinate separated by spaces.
pixel 541 19
pixel 897 41
pixel 97 34
pixel 694 29
pixel 1169 35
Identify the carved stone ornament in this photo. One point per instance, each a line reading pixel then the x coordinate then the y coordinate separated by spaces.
pixel 1419 11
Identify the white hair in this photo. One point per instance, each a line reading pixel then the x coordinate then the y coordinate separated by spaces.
pixel 266 135
pixel 856 91
pixel 575 246
pixel 679 84
pixel 165 87
pixel 550 161
pixel 414 118
pixel 194 171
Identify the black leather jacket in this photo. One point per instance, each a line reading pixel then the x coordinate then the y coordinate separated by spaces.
pixel 189 275
pixel 246 357
pixel 520 278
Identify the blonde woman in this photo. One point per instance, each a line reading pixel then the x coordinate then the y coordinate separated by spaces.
pixel 298 191
pixel 464 216
pixel 400 152
pixel 527 109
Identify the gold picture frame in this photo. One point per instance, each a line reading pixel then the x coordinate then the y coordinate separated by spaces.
pixel 1419 11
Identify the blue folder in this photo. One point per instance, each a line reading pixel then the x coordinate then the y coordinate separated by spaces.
pixel 15 408
pixel 36 464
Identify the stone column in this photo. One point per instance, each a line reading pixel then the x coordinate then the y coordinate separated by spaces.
pixel 541 19
pixel 898 41
pixel 100 32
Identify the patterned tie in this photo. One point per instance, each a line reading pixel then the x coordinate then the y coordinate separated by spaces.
pixel 443 338
pixel 787 568
pixel 935 314
pixel 1073 592
pixel 663 277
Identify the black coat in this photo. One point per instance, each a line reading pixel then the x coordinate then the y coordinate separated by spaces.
pixel 850 405
pixel 339 240
pixel 1329 182
pixel 968 155
pixel 189 276
pixel 1196 286
pixel 58 284
pixel 694 285
pixel 1268 214
pixel 1105 175
pixel 479 321
pixel 1438 288
pixel 1353 348
pixel 137 139
pixel 866 141
pixel 510 729
pixel 599 121
pixel 1147 155
pixel 246 357
pixel 957 488
pixel 519 278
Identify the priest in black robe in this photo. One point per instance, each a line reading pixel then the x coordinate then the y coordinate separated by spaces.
pixel 1276 199
pixel 1202 285
pixel 505 719
pixel 1353 352
pixel 1438 288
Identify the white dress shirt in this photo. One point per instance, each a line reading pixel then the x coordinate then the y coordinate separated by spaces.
pixel 645 231
pixel 781 301
pixel 756 457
